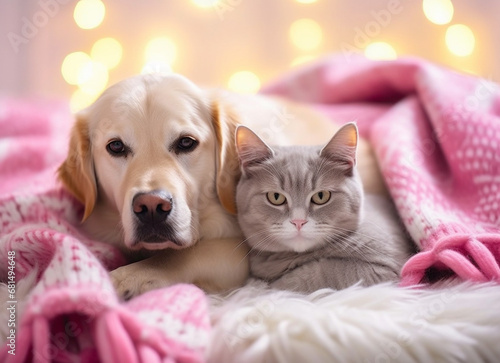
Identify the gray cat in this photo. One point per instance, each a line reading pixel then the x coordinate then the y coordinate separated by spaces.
pixel 307 221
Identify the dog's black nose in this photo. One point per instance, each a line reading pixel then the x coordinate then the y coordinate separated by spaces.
pixel 152 207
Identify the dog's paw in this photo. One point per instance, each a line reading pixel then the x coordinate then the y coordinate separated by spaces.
pixel 129 284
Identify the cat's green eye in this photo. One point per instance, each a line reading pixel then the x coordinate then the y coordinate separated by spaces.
pixel 276 198
pixel 321 197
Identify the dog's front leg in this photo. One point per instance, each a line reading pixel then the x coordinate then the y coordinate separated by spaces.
pixel 213 265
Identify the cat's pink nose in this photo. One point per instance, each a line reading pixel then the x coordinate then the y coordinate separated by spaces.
pixel 298 223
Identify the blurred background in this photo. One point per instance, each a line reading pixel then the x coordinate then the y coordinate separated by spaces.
pixel 74 49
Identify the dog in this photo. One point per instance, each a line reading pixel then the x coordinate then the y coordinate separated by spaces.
pixel 153 161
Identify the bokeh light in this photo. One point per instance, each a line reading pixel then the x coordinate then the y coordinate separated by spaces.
pixel 205 3
pixel 93 78
pixel 72 64
pixel 107 51
pixel 380 51
pixel 244 82
pixel 438 11
pixel 89 14
pixel 306 34
pixel 460 40
pixel 161 50
pixel 79 100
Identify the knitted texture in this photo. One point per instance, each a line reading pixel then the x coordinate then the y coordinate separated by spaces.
pixel 72 314
pixel 436 134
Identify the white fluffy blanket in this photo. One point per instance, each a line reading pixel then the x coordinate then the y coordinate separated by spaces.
pixel 383 323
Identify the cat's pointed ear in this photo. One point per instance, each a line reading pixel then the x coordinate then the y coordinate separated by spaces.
pixel 251 149
pixel 342 147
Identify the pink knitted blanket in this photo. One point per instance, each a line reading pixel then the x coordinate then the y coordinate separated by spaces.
pixel 436 134
pixel 72 314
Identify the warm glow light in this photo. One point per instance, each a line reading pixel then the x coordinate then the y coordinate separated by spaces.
pixel 438 11
pixel 471 71
pixel 161 50
pixel 380 51
pixel 156 68
pixel 306 34
pixel 72 65
pixel 244 82
pixel 79 100
pixel 93 78
pixel 302 59
pixel 205 3
pixel 107 51
pixel 306 1
pixel 89 14
pixel 460 40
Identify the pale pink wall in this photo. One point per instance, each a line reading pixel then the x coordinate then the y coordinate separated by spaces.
pixel 254 35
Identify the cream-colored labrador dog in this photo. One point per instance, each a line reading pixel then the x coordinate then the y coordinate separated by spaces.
pixel 153 161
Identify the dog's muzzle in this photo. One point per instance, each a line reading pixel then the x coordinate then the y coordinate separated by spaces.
pixel 152 211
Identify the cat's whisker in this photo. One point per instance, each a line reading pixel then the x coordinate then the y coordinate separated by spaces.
pixel 261 242
pixel 348 234
pixel 350 231
pixel 238 246
pixel 267 237
pixel 339 235
pixel 350 244
pixel 258 246
pixel 256 235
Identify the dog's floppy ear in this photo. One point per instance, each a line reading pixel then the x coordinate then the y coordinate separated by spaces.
pixel 228 169
pixel 77 171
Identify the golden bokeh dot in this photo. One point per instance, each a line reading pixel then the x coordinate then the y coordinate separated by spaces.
pixel 244 82
pixel 161 50
pixel 380 51
pixel 72 65
pixel 93 78
pixel 205 3
pixel 107 51
pixel 439 12
pixel 79 100
pixel 89 14
pixel 306 34
pixel 460 40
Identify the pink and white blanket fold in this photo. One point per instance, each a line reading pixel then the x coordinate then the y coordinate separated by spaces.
pixel 73 314
pixel 436 134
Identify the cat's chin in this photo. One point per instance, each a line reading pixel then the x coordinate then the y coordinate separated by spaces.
pixel 300 245
pixel 294 244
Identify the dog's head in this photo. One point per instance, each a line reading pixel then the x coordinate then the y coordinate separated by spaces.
pixel 158 152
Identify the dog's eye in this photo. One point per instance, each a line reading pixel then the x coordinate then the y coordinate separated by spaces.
pixel 186 144
pixel 117 148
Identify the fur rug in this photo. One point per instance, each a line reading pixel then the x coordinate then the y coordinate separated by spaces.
pixel 383 323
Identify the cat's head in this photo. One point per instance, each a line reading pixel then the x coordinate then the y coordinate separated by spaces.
pixel 298 198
